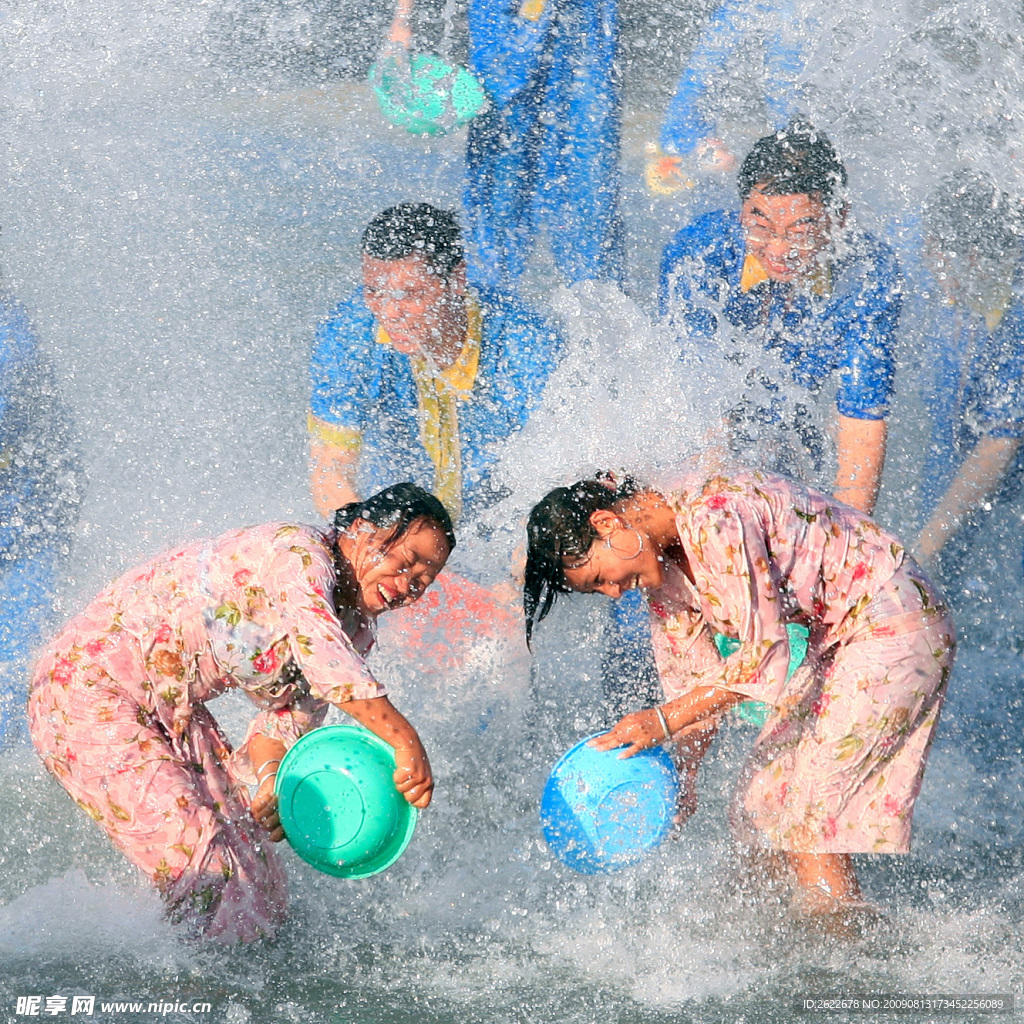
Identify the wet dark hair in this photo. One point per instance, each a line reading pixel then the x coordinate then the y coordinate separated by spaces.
pixel 397 508
pixel 559 531
pixel 799 160
pixel 415 229
pixel 966 212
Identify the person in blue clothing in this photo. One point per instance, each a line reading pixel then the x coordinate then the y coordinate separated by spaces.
pixel 545 155
pixel 745 72
pixel 417 375
pixel 40 491
pixel 974 332
pixel 788 287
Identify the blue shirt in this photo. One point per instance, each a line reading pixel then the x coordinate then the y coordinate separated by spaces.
pixel 40 472
pixel 361 385
pixel 977 389
pixel 848 331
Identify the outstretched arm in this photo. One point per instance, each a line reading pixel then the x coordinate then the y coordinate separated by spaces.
pixel 980 475
pixel 691 720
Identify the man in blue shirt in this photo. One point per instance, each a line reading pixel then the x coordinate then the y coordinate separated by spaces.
pixel 40 491
pixel 787 275
pixel 417 376
pixel 974 331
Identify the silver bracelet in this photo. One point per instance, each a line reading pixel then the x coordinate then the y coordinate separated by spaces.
pixel 664 721
pixel 273 760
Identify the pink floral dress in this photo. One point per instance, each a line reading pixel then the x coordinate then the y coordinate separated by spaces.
pixel 117 709
pixel 839 763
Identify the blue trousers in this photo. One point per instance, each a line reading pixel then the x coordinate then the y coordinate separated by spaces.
pixel 549 157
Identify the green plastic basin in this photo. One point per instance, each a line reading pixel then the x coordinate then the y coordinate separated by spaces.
pixel 424 94
pixel 339 807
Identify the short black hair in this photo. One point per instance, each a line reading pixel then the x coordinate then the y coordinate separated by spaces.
pixel 968 213
pixel 558 532
pixel 415 229
pixel 799 160
pixel 398 507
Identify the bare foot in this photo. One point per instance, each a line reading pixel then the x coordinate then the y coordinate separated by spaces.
pixel 844 918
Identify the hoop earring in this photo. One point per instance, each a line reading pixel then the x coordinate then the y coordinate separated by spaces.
pixel 636 554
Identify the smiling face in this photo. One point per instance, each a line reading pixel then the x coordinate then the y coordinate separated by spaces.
pixel 621 559
pixel 411 302
pixel 390 574
pixel 785 233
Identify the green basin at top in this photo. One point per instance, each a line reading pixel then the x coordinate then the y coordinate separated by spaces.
pixel 424 94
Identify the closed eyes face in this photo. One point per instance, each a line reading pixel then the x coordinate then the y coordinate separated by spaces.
pixel 407 299
pixel 784 233
pixel 394 574
pixel 612 570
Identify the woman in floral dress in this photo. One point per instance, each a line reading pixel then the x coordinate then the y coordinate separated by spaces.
pixel 838 765
pixel 284 612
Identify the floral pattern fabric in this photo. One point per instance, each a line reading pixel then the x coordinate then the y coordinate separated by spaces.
pixel 117 708
pixel 839 763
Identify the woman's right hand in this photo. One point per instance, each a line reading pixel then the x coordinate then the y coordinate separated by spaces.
pixel 636 731
pixel 264 808
pixel 413 778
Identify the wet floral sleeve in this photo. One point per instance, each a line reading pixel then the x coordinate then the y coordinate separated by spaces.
pixel 279 617
pixel 299 659
pixel 739 594
pixel 334 669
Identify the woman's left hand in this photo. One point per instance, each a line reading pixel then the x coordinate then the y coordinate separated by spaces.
pixel 637 731
pixel 264 808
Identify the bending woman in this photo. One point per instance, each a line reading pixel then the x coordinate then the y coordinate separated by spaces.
pixel 839 763
pixel 282 611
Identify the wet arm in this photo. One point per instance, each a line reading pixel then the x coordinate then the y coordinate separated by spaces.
pixel 413 777
pixel 697 706
pixel 332 475
pixel 978 477
pixel 265 754
pixel 401 25
pixel 861 456
pixel 692 721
